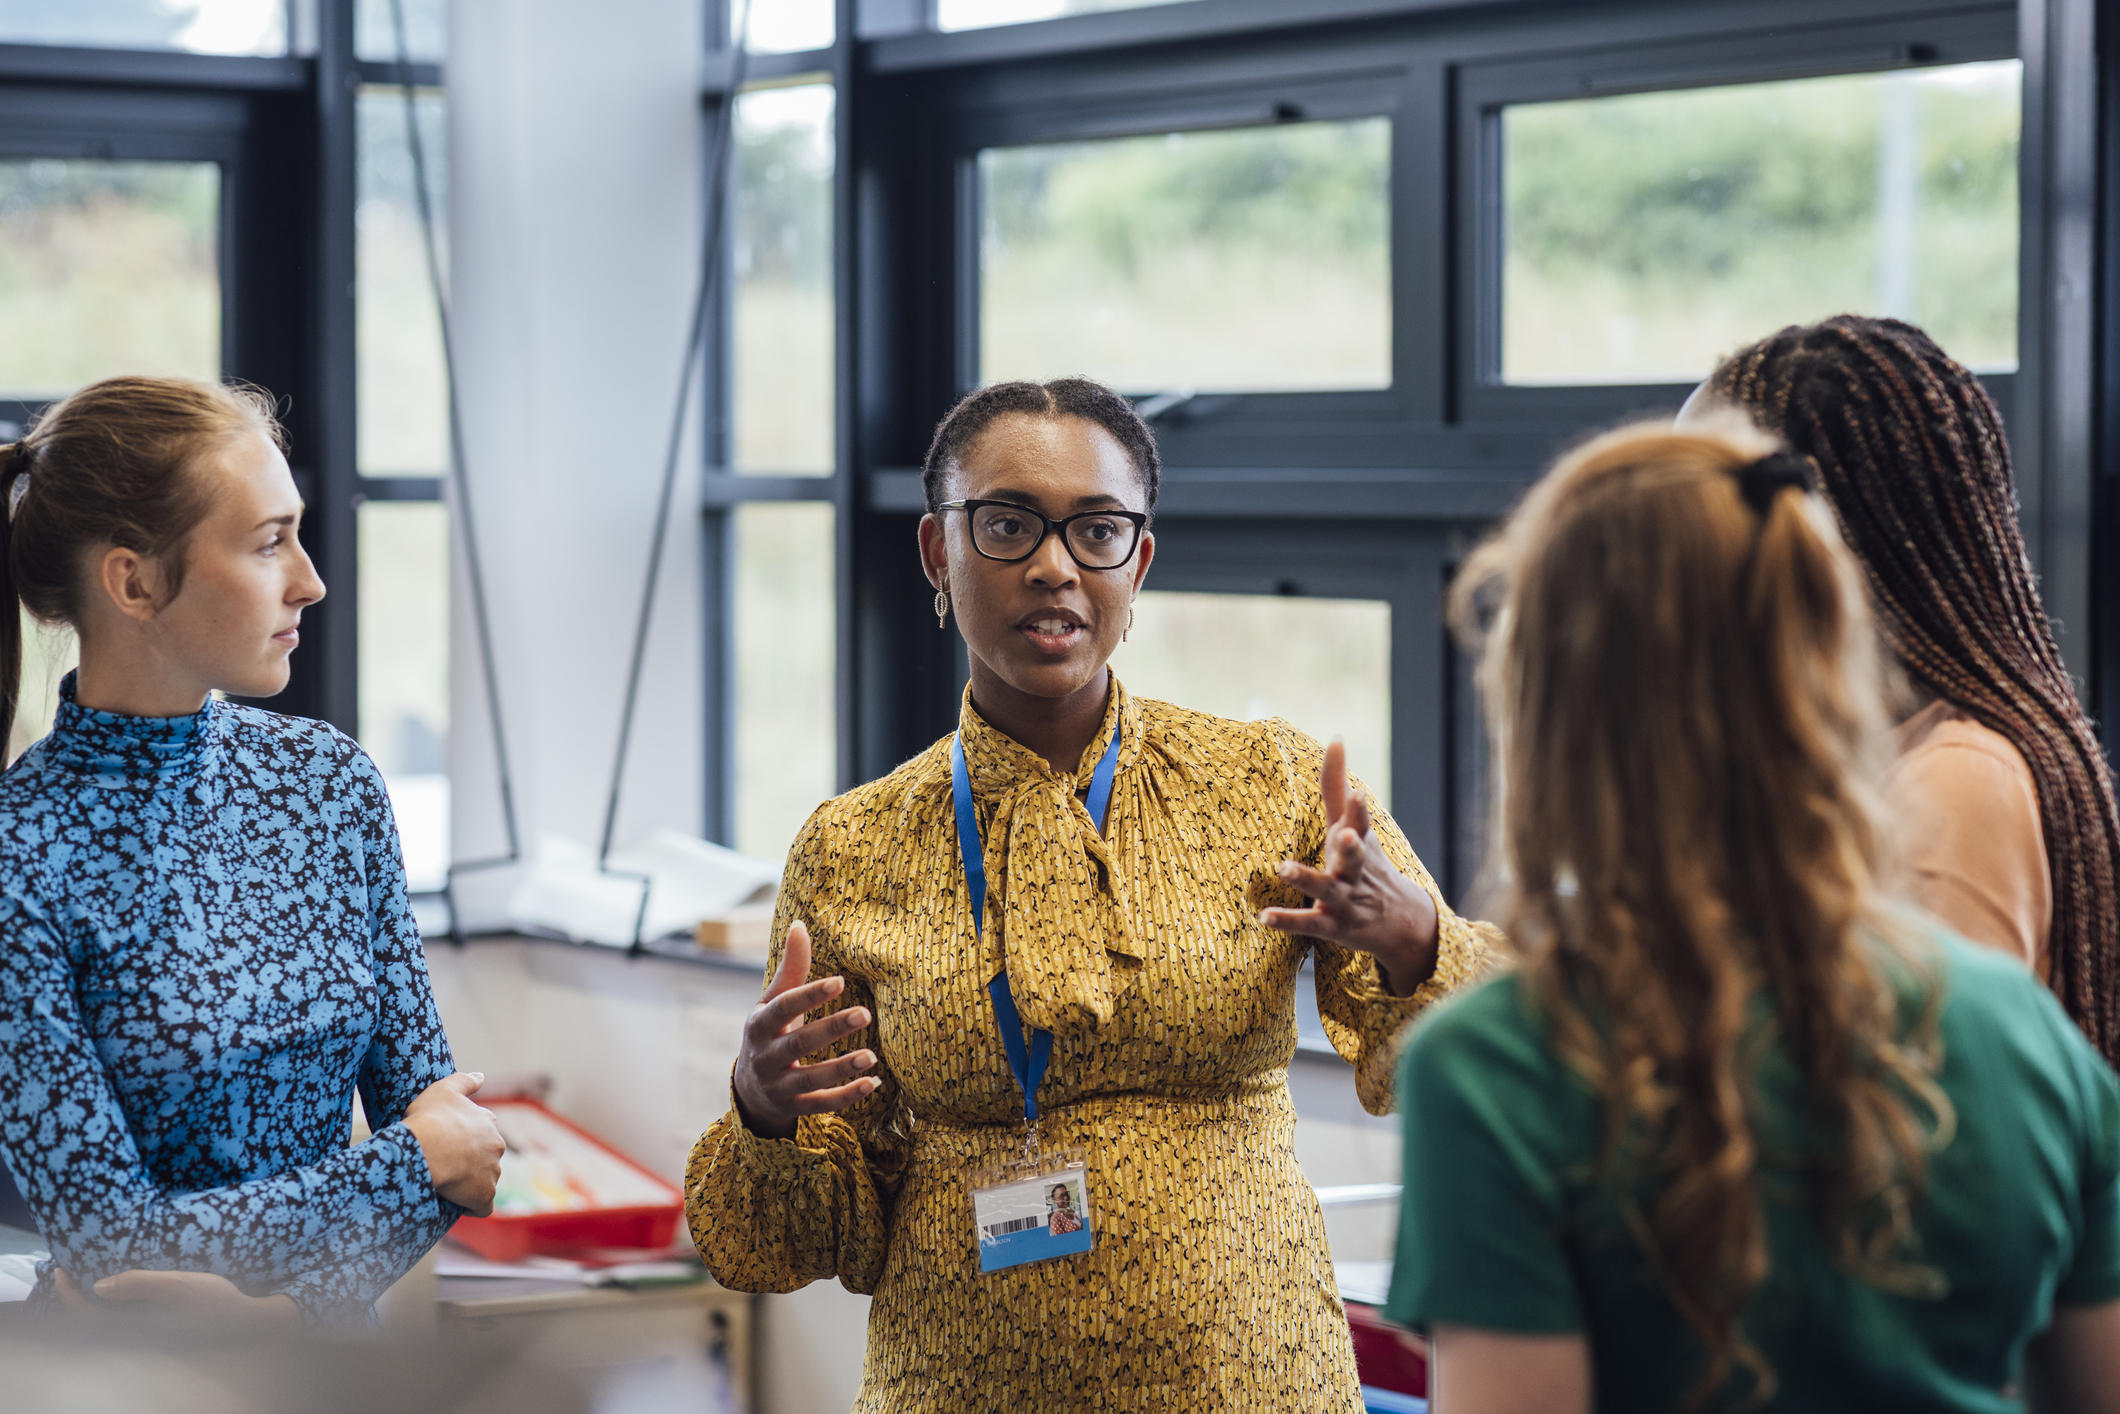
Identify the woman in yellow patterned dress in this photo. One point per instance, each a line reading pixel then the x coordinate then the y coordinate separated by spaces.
pixel 1161 954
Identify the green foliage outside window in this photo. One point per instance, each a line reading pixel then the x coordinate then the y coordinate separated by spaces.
pixel 1253 259
pixel 781 257
pixel 107 268
pixel 1648 234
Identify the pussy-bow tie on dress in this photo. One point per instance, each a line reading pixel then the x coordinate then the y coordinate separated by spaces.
pixel 1057 912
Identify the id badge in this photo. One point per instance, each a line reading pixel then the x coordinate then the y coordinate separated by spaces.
pixel 1031 1210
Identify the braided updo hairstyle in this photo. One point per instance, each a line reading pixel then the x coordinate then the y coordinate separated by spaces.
pixel 1910 451
pixel 1063 397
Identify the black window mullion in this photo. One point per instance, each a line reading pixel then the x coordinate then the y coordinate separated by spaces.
pixel 330 527
pixel 847 100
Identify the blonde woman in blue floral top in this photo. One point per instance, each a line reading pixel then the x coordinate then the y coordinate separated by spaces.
pixel 206 946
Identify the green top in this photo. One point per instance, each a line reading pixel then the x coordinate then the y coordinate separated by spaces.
pixel 1505 1228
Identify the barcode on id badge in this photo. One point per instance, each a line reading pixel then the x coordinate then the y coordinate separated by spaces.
pixel 1012 1225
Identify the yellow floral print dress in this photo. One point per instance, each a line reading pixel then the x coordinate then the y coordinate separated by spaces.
pixel 1173 1012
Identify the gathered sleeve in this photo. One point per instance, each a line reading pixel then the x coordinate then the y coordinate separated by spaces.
pixel 408 1052
pixel 777 1214
pixel 1362 1018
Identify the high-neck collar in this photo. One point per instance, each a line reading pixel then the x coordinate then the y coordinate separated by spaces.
pixel 112 744
pixel 1000 764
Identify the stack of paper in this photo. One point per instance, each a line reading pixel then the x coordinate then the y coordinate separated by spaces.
pixel 686 879
pixel 680 1264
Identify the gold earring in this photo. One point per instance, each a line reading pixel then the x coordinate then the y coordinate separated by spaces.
pixel 1129 623
pixel 942 608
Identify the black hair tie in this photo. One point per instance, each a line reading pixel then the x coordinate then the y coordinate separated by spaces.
pixel 1761 481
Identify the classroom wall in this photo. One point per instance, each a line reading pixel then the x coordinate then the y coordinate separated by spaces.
pixel 575 149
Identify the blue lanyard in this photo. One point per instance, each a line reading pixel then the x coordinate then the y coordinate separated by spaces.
pixel 1028 1063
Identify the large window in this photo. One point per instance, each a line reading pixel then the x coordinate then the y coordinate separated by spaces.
pixel 782 369
pixel 1323 664
pixel 1648 234
pixel 977 14
pixel 202 26
pixel 107 268
pixel 786 640
pixel 1365 273
pixel 1253 260
pixel 777 528
pixel 403 448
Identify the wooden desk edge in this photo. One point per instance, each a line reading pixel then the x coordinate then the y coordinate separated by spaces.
pixel 577 1297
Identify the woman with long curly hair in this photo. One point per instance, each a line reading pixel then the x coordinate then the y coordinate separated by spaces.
pixel 2004 798
pixel 1736 1132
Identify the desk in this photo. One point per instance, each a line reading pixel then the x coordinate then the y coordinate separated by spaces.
pixel 683 1346
pixel 680 1346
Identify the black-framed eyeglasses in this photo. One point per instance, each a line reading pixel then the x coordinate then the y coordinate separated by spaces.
pixel 1005 531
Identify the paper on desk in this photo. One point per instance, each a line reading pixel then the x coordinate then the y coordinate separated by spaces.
pixel 1368 1283
pixel 677 1273
pixel 450 1260
pixel 18 1275
pixel 649 1268
pixel 562 891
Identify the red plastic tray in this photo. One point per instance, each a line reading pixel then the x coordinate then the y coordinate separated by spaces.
pixel 510 1239
pixel 1381 1359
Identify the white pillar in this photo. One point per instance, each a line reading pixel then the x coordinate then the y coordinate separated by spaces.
pixel 576 144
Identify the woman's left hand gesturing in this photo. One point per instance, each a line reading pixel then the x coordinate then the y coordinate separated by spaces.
pixel 1359 900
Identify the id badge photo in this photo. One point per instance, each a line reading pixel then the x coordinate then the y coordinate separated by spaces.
pixel 1031 1210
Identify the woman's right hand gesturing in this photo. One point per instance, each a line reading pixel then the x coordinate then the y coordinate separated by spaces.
pixel 773 1086
pixel 462 1143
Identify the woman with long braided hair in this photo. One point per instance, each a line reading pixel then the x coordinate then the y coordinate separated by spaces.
pixel 2004 796
pixel 1739 1132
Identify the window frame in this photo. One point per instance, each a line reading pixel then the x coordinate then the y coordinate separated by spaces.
pixel 722 488
pixel 1337 95
pixel 282 137
pixel 1485 88
pixel 121 125
pixel 1437 457
pixel 284 129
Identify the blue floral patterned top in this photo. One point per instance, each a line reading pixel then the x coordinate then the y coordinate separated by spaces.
pixel 205 944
